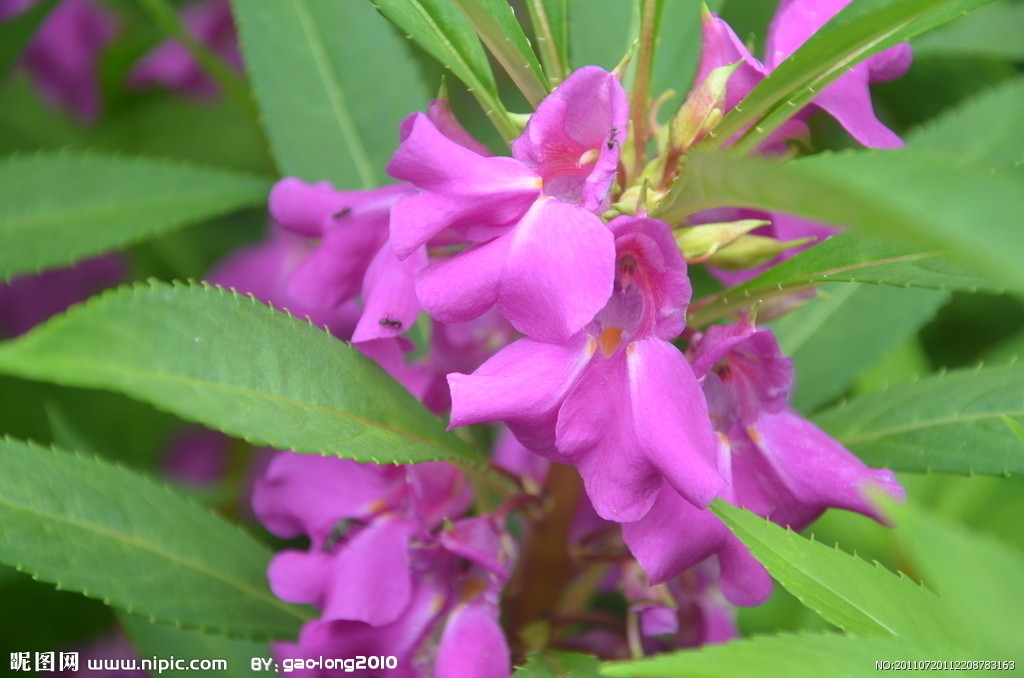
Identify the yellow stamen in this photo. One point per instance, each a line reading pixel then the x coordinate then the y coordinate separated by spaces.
pixel 610 339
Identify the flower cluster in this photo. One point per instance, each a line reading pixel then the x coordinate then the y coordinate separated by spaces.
pixel 539 292
pixel 556 306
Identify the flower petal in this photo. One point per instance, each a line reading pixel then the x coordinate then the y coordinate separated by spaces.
pixel 463 287
pixel 389 295
pixel 371 580
pixel 473 644
pixel 559 271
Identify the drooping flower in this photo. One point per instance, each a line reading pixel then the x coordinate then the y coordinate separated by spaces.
pixel 537 249
pixel 171 64
pixel 617 399
pixel 783 467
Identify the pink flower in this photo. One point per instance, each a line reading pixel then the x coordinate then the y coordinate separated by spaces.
pixel 617 399
pixel 537 249
pixel 847 99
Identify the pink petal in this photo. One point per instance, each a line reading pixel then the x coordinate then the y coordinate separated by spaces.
pixel 672 422
pixel 299 577
pixel 457 187
pixel 463 287
pixel 559 271
pixel 389 295
pixel 371 580
pixel 588 113
pixel 473 644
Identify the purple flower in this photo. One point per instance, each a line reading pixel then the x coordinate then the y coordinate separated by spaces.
pixel 386 570
pixel 171 64
pixel 63 54
pixel 847 99
pixel 617 399
pixel 783 467
pixel 537 249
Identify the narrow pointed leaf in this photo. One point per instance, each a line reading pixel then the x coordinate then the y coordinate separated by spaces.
pixel 860 323
pixel 923 198
pixel 977 576
pixel 230 363
pixel 954 423
pixel 156 640
pixel 857 32
pixel 333 82
pixel 551 26
pixel 497 26
pixel 860 598
pixel 91 527
pixel 559 665
pixel 991 31
pixel 17 32
pixel 787 656
pixel 847 257
pixel 56 208
pixel 985 129
pixel 439 28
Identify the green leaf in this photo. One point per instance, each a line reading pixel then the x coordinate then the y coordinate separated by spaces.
pixel 953 423
pixel 921 197
pixel 559 665
pixel 496 24
pixel 600 32
pixel 846 330
pixel 678 51
pixel 439 28
pixel 56 208
pixel 979 579
pixel 153 640
pixel 860 598
pixel 857 32
pixel 847 257
pixel 16 32
pixel 785 656
pixel 91 527
pixel 551 26
pixel 990 31
pixel 230 363
pixel 985 129
pixel 333 83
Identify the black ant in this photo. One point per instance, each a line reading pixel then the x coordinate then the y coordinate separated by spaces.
pixel 387 321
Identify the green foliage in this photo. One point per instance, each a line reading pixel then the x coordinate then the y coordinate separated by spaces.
pixel 980 580
pixel 983 130
pixel 833 339
pixel 191 351
pixel 993 30
pixel 551 26
pixel 847 257
pixel 445 34
pixel 857 597
pixel 953 423
pixel 856 33
pixel 600 32
pixel 784 656
pixel 16 33
pixel 559 665
pixel 56 208
pixel 910 195
pixel 496 24
pixel 91 527
pixel 152 640
pixel 332 82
